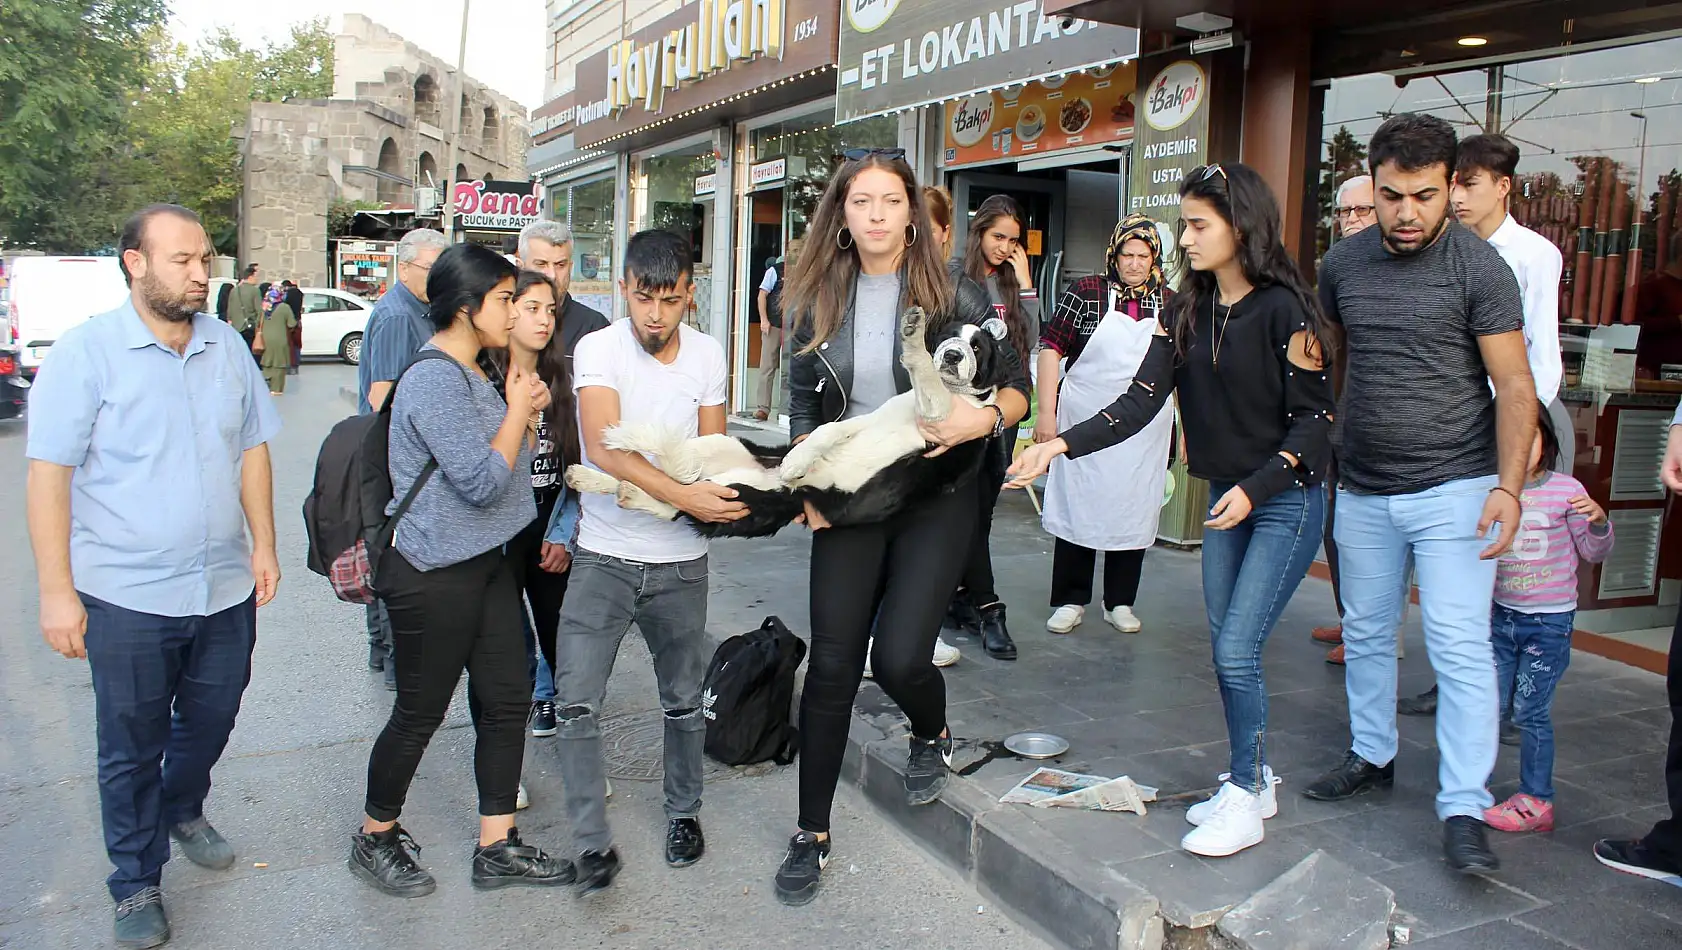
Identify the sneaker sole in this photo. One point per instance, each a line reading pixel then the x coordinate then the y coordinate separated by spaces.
pixel 1125 629
pixel 928 795
pixel 543 733
pixel 951 662
pixel 798 898
pixel 384 888
pixel 685 863
pixel 1476 870
pixel 1267 814
pixel 1063 632
pixel 497 883
pixel 1225 853
pixel 1635 870
pixel 145 943
pixel 1364 789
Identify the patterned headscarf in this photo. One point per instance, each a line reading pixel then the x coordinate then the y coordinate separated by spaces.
pixel 1137 227
pixel 275 295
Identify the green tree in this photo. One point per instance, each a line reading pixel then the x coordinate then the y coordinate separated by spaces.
pixel 65 69
pixel 1346 157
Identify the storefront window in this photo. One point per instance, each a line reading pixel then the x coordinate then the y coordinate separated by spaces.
pixel 558 202
pixel 814 147
pixel 590 215
pixel 667 201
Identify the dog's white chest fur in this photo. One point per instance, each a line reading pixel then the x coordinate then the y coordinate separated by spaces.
pixel 887 435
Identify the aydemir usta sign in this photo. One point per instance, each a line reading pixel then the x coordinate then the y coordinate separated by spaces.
pixel 724 31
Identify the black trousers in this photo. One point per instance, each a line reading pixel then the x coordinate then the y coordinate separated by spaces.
pixel 894 580
pixel 1071 575
pixel 462 617
pixel 1327 537
pixel 1666 836
pixel 545 591
pixel 977 580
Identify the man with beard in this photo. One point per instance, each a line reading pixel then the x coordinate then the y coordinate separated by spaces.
pixel 630 567
pixel 149 463
pixel 1428 465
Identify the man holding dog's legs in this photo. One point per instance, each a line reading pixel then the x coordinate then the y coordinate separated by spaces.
pixel 632 567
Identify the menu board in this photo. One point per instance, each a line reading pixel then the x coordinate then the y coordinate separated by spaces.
pixel 1083 109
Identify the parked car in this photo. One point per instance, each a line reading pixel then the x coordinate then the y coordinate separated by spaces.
pixel 334 322
pixel 49 295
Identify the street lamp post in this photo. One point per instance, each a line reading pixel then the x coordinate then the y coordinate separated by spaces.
pixel 447 204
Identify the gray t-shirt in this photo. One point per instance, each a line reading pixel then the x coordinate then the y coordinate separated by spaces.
pixel 1416 410
pixel 473 502
pixel 875 324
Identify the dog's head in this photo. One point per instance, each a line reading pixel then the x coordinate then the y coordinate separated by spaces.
pixel 970 356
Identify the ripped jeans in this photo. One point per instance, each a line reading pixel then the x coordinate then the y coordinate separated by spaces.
pixel 668 603
pixel 1531 654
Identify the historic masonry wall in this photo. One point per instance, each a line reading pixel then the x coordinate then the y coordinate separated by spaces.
pixel 289 181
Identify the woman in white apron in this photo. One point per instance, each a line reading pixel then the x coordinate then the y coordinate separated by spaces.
pixel 1107 501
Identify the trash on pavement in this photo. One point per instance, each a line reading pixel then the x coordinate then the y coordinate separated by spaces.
pixel 1056 788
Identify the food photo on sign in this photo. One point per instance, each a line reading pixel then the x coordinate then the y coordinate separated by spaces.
pixel 1094 107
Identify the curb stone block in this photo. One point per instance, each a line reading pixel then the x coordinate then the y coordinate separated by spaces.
pixel 1320 903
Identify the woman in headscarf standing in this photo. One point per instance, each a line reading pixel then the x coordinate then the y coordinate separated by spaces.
pixel 1107 501
pixel 295 336
pixel 278 320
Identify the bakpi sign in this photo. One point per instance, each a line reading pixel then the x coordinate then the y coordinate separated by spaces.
pixel 723 32
pixel 897 54
pixel 497 205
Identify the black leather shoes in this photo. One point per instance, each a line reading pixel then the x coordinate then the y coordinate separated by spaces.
pixel 684 842
pixel 961 616
pixel 1466 846
pixel 1353 776
pixel 995 636
pixel 383 859
pixel 512 862
pixel 596 870
pixel 141 922
pixel 203 845
pixel 1425 704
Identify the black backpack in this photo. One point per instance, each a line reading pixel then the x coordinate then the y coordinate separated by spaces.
pixel 748 695
pixel 344 513
pixel 774 300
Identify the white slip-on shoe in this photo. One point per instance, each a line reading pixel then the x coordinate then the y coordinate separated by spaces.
pixel 1269 797
pixel 1122 619
pixel 1066 618
pixel 1235 823
pixel 523 802
pixel 945 654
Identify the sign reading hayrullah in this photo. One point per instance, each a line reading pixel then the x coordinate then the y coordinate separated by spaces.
pixel 896 54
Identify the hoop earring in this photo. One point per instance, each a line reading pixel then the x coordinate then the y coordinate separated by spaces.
pixel 850 242
pixel 913 240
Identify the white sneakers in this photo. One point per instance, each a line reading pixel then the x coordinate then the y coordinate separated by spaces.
pixel 1122 619
pixel 1232 823
pixel 1269 797
pixel 945 654
pixel 524 801
pixel 1066 618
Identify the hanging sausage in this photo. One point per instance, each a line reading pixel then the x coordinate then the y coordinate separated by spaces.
pixel 1607 176
pixel 1661 224
pixel 1585 242
pixel 1632 261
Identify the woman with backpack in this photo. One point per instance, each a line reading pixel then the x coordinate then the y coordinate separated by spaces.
pixel 447 583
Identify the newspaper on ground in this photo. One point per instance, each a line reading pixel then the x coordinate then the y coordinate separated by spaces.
pixel 1056 788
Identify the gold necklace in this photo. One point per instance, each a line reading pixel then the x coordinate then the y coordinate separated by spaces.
pixel 1220 333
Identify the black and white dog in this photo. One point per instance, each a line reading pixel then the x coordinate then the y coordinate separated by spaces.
pixel 857 471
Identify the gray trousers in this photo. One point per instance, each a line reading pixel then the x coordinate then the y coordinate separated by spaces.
pixel 379 627
pixel 668 603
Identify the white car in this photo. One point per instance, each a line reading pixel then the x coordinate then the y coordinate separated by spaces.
pixel 334 322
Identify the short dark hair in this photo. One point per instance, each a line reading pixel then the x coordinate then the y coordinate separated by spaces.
pixel 134 231
pixel 1414 141
pixel 250 269
pixel 460 280
pixel 1491 153
pixel 658 260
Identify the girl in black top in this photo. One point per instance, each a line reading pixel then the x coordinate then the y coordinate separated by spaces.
pixel 867 257
pixel 1245 344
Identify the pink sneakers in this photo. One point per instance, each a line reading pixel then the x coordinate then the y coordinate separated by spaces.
pixel 1521 813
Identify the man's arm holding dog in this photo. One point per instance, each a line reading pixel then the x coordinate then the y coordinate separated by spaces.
pixel 598 408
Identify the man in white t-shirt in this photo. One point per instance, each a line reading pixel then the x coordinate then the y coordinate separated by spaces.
pixel 633 568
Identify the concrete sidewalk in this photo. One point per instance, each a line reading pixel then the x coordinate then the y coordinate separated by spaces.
pixel 1148 706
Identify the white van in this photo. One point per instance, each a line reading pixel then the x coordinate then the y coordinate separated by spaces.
pixel 49 295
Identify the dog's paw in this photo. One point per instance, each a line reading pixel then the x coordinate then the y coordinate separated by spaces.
pixel 913 324
pixel 797 463
pixel 586 479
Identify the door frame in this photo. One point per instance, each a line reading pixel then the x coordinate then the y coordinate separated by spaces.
pixel 968 180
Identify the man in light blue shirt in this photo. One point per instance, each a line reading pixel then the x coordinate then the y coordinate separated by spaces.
pixel 151 515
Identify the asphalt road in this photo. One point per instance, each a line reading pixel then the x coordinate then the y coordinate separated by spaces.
pixel 289 792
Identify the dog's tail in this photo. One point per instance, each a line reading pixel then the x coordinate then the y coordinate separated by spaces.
pixel 665 445
pixel 769 456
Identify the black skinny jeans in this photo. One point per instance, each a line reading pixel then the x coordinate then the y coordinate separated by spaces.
pixel 544 591
pixel 895 579
pixel 977 580
pixel 1071 575
pixel 465 616
pixel 1666 836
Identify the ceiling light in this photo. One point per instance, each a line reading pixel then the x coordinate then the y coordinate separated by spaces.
pixel 1472 41
pixel 1647 80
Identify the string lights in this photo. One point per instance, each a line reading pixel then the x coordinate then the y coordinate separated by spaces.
pixel 774 84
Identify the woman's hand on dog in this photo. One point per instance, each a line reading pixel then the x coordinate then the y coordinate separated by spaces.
pixel 710 502
pixel 813 518
pixel 1034 461
pixel 966 423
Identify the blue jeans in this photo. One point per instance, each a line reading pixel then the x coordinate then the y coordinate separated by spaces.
pixel 166 691
pixel 1249 574
pixel 1531 654
pixel 1439 528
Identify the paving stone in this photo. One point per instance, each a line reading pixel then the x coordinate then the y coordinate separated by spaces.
pixel 1196 892
pixel 1441 901
pixel 1497 935
pixel 1319 903
pixel 1603 922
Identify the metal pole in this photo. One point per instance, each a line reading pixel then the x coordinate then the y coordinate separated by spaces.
pixel 447 202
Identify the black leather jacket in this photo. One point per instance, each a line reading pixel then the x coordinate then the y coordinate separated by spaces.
pixel 820 381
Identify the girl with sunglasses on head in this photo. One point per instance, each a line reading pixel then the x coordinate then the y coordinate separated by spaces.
pixel 1245 344
pixel 868 257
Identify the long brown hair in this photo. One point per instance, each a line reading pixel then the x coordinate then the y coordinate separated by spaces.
pixel 552 368
pixel 939 202
pixel 977 268
pixel 822 283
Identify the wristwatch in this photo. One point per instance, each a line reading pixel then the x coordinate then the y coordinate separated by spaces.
pixel 998 423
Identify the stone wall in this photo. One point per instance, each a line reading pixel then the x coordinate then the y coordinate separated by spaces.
pixel 288 184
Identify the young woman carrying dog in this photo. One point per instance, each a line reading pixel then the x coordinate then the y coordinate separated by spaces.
pixel 1245 344
pixel 867 258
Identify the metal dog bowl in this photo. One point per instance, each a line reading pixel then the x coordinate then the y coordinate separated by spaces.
pixel 1037 745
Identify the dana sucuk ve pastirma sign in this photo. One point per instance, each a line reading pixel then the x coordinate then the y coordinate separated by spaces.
pixel 896 54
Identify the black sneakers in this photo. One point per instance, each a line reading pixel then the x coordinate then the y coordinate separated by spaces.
pixel 684 842
pixel 1353 776
pixel 596 870
pixel 797 877
pixel 512 862
pixel 383 859
pixel 543 723
pixel 141 922
pixel 927 769
pixel 1466 846
pixel 203 845
pixel 1634 857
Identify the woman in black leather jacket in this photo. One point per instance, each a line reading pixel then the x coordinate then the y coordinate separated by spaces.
pixel 867 258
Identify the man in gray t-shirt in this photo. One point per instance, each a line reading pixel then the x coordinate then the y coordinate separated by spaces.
pixel 1428 466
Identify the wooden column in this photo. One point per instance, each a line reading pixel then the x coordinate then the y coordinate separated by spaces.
pixel 1278 141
